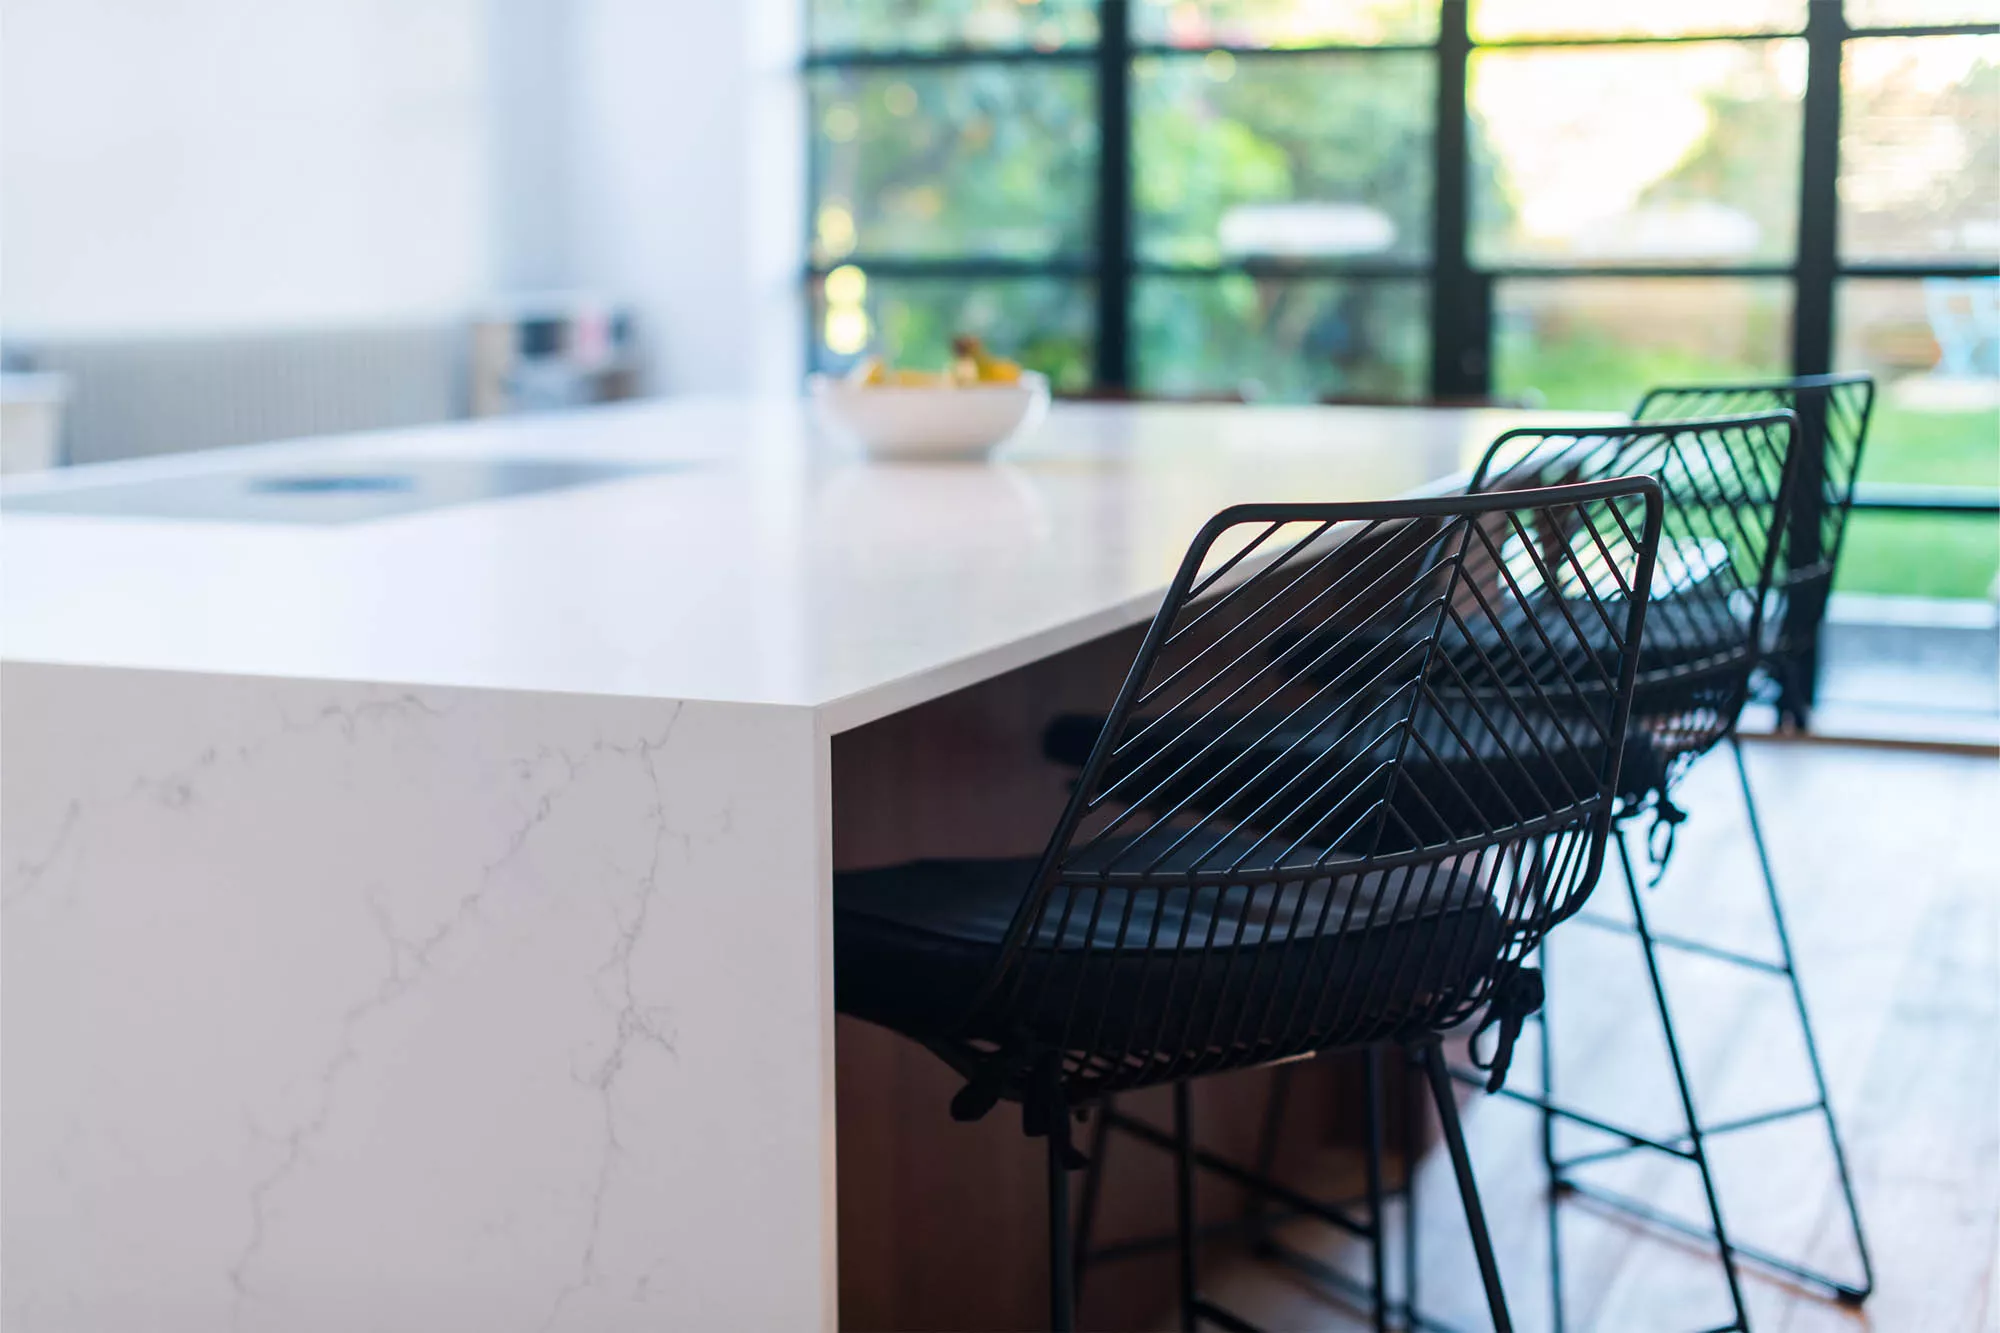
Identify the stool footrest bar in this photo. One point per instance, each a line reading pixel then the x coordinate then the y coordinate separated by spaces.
pixel 1250 1180
pixel 1137 1247
pixel 1344 1287
pixel 1708 1131
pixel 1215 1314
pixel 1684 944
pixel 1667 1221
pixel 1632 1139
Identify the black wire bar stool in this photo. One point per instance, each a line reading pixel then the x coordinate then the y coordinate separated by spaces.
pixel 1725 484
pixel 1250 868
pixel 1725 528
pixel 1833 412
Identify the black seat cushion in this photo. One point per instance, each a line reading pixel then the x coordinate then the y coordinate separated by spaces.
pixel 1687 638
pixel 1344 957
pixel 1694 652
pixel 1446 789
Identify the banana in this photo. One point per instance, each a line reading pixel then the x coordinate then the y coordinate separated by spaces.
pixel 971 365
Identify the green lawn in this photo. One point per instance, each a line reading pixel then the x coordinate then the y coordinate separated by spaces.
pixel 1601 373
pixel 1933 448
pixel 1913 555
pixel 1926 555
pixel 1920 555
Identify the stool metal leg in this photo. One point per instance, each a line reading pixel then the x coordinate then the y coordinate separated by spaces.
pixel 1413 1136
pixel 1468 1190
pixel 1377 1260
pixel 1184 1220
pixel 1275 1101
pixel 1549 1151
pixel 1697 1152
pixel 1847 1292
pixel 1093 1187
pixel 1062 1254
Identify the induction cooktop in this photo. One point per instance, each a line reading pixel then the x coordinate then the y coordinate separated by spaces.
pixel 345 492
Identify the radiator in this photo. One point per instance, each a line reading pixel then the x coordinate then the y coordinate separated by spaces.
pixel 132 397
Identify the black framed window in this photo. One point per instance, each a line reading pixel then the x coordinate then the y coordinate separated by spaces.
pixel 1545 201
pixel 1913 298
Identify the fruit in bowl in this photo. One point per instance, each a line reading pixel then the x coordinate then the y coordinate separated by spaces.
pixel 963 411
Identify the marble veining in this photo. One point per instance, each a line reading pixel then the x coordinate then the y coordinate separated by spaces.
pixel 355 1007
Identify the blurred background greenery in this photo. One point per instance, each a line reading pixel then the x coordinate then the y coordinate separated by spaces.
pixel 1282 205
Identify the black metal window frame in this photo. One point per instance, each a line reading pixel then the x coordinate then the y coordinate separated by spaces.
pixel 1461 290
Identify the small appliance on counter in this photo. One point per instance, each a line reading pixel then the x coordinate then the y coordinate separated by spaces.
pixel 31 419
pixel 543 352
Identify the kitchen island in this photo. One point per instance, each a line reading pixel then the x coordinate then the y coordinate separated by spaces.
pixel 418 845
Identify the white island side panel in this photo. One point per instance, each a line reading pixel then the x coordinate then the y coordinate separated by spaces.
pixel 345 1007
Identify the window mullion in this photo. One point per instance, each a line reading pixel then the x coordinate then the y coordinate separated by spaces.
pixel 1819 195
pixel 1461 310
pixel 1113 368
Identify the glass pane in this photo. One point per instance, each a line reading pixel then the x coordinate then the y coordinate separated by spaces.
pixel 1045 323
pixel 1919 555
pixel 1296 340
pixel 1602 342
pixel 1915 13
pixel 1920 148
pixel 993 160
pixel 1933 345
pixel 1649 154
pixel 1320 155
pixel 1502 20
pixel 919 25
pixel 1283 22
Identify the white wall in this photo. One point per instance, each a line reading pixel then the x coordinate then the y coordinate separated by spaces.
pixel 531 95
pixel 180 165
pixel 689 182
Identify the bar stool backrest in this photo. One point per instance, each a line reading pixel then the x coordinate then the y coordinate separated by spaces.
pixel 1278 850
pixel 1726 482
pixel 1833 413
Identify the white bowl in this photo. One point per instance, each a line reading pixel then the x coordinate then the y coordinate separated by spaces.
pixel 930 423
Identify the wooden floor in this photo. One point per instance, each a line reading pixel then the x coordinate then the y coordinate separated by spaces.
pixel 1890 868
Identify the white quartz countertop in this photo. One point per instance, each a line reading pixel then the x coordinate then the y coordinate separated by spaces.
pixel 775 568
